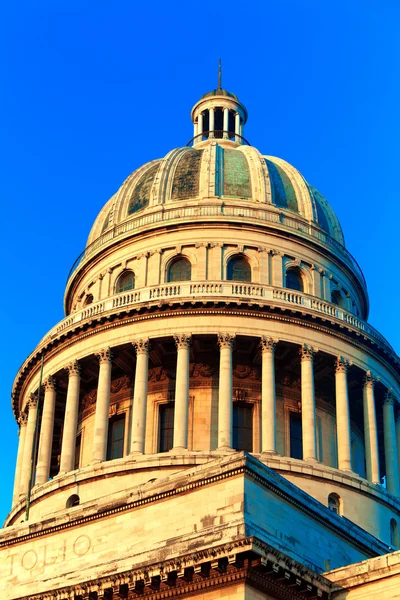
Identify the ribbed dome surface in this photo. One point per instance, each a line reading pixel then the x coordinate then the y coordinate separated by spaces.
pixel 231 173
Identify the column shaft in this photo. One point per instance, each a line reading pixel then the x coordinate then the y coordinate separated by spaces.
pixel 68 447
pixel 237 127
pixel 211 122
pixel 371 431
pixel 268 397
pixel 99 451
pixel 20 456
pixel 138 425
pixel 343 415
pixel 46 432
pixel 391 458
pixel 226 123
pixel 308 411
pixel 199 127
pixel 182 391
pixel 28 446
pixel 225 391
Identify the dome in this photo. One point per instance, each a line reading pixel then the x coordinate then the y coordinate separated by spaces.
pixel 243 175
pixel 219 92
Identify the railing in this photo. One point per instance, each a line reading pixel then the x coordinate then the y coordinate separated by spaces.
pixel 220 211
pixel 227 290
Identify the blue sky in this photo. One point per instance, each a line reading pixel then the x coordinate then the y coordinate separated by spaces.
pixel 92 90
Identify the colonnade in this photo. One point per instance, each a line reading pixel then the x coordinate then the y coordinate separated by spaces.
pixel 199 125
pixel 226 341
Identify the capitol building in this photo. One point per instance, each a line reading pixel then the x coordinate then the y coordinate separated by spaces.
pixel 214 417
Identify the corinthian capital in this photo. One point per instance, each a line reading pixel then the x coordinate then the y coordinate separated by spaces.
pixel 182 340
pixel 32 402
pixel 342 364
pixel 226 340
pixel 267 344
pixel 307 352
pixel 22 419
pixel 142 346
pixel 49 384
pixel 389 398
pixel 73 368
pixel 104 355
pixel 370 379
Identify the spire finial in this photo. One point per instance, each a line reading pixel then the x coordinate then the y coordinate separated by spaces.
pixel 219 74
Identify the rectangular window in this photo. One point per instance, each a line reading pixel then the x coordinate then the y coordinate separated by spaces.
pixel 166 427
pixel 78 450
pixel 115 442
pixel 296 436
pixel 243 426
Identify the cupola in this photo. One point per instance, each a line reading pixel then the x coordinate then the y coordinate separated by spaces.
pixel 219 115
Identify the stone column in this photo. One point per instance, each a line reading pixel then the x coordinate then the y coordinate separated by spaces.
pixel 343 415
pixel 389 433
pixel 226 123
pixel 181 411
pixel 308 411
pixel 68 447
pixel 28 446
pixel 138 424
pixel 237 127
pixel 371 430
pixel 211 122
pixel 199 127
pixel 99 451
pixel 225 341
pixel 46 432
pixel 268 396
pixel 22 422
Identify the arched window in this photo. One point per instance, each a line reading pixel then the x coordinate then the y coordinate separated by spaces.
pixel 294 280
pixel 394 533
pixel 334 503
pixel 125 282
pixel 88 300
pixel 338 299
pixel 73 501
pixel 238 269
pixel 180 270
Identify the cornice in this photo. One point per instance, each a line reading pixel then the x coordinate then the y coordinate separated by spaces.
pixel 123 316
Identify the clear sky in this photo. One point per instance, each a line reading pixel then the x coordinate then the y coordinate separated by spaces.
pixel 93 89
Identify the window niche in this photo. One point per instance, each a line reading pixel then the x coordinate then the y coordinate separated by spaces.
pixel 334 503
pixel 242 431
pixel 115 442
pixel 166 427
pixel 125 282
pixel 294 279
pixel 238 269
pixel 179 269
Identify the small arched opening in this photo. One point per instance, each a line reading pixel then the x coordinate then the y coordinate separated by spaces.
pixel 73 500
pixel 338 299
pixel 88 300
pixel 238 269
pixel 180 269
pixel 126 282
pixel 335 504
pixel 294 280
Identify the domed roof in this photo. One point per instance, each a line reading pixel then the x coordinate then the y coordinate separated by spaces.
pixel 219 92
pixel 232 173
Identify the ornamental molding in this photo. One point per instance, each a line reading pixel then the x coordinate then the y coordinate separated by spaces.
pixel 74 369
pixel 22 420
pixel 142 346
pixel 226 340
pixel 104 356
pixel 182 340
pixel 342 364
pixel 32 402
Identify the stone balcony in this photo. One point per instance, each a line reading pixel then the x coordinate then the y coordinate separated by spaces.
pixel 221 291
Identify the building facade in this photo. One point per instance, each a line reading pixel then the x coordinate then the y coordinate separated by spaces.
pixel 214 414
